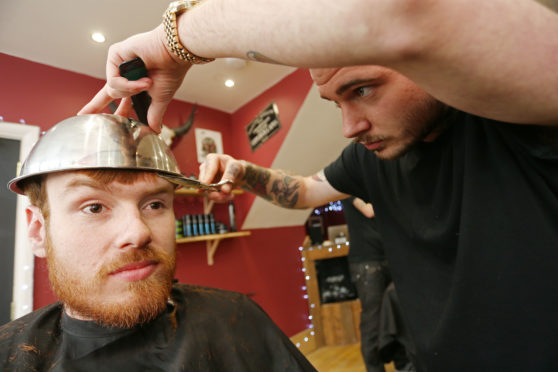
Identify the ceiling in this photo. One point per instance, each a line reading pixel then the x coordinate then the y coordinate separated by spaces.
pixel 57 33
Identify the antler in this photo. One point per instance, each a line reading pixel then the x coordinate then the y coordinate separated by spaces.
pixel 184 128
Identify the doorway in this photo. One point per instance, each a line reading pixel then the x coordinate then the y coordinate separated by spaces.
pixel 16 258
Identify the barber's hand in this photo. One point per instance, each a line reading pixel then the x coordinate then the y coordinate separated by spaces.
pixel 365 208
pixel 166 74
pixel 217 167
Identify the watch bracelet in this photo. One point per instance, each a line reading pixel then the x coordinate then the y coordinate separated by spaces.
pixel 171 31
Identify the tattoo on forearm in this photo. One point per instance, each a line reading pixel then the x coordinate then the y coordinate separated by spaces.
pixel 234 170
pixel 256 180
pixel 283 190
pixel 257 56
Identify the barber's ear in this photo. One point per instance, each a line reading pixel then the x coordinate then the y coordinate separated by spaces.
pixel 36 230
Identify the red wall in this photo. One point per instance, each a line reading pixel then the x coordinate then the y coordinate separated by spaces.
pixel 265 265
pixel 289 95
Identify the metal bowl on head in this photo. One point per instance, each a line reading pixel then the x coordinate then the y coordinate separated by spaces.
pixel 98 141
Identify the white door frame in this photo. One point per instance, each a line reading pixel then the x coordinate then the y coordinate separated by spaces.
pixel 22 302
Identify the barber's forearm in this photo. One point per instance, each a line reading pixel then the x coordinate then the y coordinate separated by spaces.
pixel 492 50
pixel 310 33
pixel 273 185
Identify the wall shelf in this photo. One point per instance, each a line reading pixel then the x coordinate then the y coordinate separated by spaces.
pixel 202 238
pixel 207 204
pixel 195 192
pixel 213 240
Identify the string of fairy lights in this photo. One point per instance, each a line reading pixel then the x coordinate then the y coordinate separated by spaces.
pixel 336 206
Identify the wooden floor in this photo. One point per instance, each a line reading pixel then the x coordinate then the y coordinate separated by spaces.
pixel 345 358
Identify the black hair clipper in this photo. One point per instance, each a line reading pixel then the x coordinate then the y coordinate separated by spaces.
pixel 134 69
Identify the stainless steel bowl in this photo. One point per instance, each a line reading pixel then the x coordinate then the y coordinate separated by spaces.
pixel 98 141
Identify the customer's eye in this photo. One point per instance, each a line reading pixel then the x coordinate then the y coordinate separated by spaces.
pixel 94 208
pixel 155 205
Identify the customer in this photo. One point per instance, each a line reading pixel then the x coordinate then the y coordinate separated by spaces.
pixel 108 235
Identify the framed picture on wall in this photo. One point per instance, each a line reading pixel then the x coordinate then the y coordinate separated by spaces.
pixel 265 125
pixel 207 142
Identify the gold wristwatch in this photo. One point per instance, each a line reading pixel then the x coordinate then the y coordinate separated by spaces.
pixel 171 30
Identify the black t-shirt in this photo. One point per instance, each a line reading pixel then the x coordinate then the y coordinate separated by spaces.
pixel 365 239
pixel 204 330
pixel 470 228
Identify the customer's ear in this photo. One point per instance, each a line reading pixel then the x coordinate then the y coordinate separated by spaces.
pixel 36 230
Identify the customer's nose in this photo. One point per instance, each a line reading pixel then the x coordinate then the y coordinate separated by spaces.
pixel 133 232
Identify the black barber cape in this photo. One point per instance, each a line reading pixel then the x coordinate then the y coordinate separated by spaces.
pixel 470 230
pixel 215 331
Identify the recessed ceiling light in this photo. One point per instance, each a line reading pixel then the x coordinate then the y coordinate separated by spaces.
pixel 98 37
pixel 229 83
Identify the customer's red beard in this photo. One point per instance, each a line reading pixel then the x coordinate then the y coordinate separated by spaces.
pixel 83 297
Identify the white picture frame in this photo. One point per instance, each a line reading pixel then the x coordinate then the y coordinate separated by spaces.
pixel 208 141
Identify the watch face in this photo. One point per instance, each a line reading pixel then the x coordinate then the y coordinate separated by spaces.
pixel 181 5
pixel 178 6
